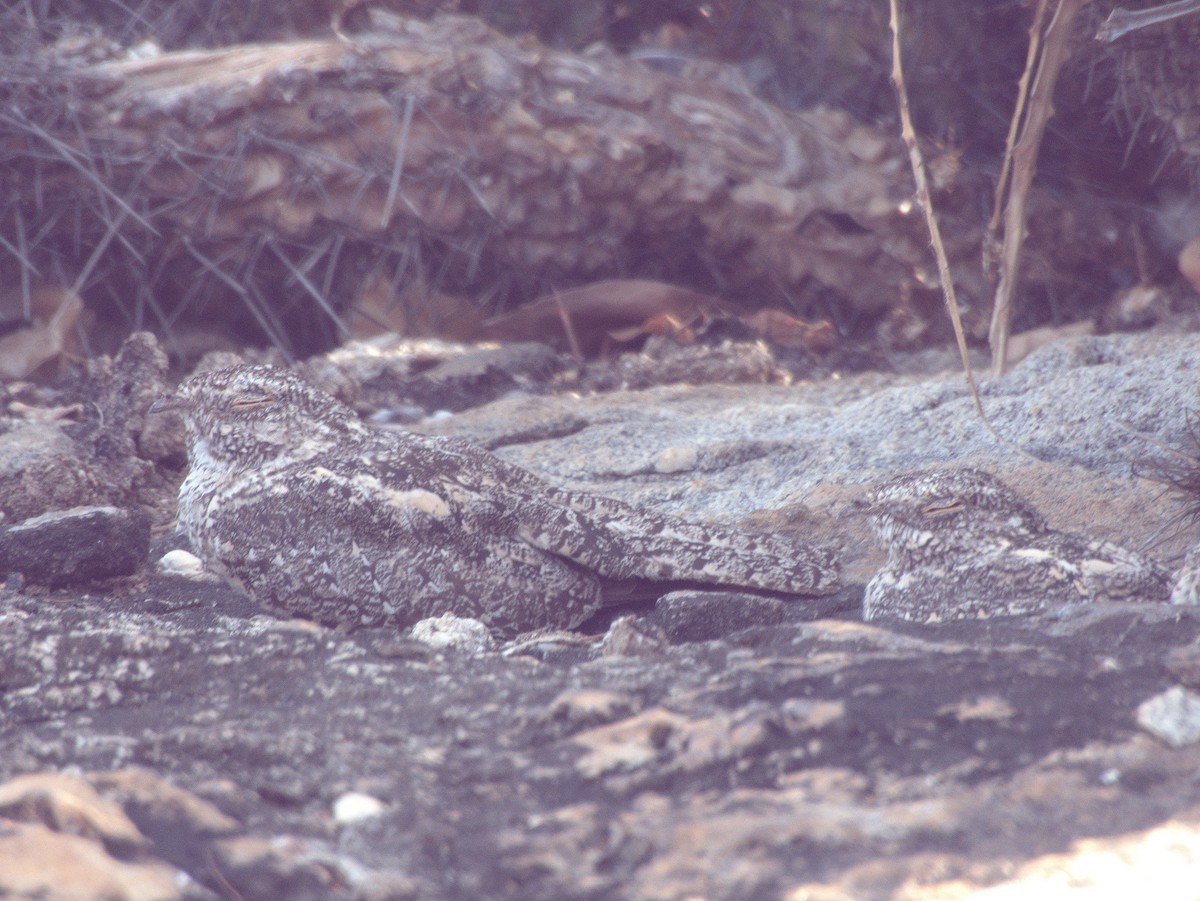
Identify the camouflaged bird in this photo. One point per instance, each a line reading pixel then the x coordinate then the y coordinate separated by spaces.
pixel 963 544
pixel 313 513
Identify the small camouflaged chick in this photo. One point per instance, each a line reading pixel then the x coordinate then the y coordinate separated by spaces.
pixel 963 544
pixel 313 513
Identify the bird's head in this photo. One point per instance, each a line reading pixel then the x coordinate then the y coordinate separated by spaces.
pixel 914 515
pixel 244 416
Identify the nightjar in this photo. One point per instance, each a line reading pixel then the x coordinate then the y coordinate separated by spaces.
pixel 963 544
pixel 311 512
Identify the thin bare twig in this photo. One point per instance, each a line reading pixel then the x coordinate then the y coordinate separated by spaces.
pixel 308 286
pixel 925 200
pixel 1121 21
pixel 332 255
pixel 398 167
pixel 253 300
pixel 114 228
pixel 22 253
pixel 569 328
pixel 66 153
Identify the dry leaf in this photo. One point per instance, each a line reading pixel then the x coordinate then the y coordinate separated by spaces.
pixel 600 313
pixel 40 329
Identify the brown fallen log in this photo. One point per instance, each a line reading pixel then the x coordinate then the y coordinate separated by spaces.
pixel 272 182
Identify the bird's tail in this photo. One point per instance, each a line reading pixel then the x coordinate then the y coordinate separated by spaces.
pixel 621 542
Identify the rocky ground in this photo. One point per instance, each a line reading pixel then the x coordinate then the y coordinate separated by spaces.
pixel 162 738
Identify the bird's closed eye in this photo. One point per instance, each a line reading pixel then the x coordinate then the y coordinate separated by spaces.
pixel 941 508
pixel 250 401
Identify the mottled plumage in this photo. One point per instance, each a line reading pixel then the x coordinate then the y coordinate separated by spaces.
pixel 313 513
pixel 961 544
pixel 1185 587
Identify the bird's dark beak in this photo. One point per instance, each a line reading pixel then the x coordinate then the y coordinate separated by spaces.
pixel 166 404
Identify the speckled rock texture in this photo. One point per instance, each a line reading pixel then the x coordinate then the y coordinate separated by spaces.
pixel 162 737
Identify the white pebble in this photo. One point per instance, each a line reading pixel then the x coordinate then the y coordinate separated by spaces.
pixel 1172 716
pixel 354 807
pixel 183 563
pixel 458 632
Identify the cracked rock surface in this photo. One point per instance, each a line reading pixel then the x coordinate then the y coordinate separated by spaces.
pixel 162 738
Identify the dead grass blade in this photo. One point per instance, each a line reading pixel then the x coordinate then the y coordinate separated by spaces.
pixel 1049 50
pixel 925 200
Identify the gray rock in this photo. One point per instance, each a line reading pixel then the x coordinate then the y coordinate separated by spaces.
pixel 705 615
pixel 632 636
pixel 42 469
pixel 76 545
pixel 1173 716
pixel 96 459
pixel 438 375
pixel 1070 403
